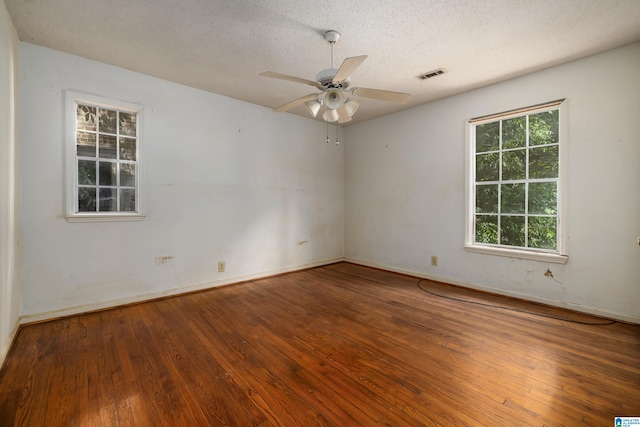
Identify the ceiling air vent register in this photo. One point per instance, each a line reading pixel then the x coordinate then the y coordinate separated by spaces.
pixel 431 74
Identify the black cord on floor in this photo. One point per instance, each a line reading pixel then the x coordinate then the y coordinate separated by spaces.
pixel 511 308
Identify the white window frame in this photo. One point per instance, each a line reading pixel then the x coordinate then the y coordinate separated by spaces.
pixel 72 99
pixel 560 255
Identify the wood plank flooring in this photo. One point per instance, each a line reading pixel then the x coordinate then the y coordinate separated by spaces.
pixel 341 345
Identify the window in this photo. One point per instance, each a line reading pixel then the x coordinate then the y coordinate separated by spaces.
pixel 515 165
pixel 103 170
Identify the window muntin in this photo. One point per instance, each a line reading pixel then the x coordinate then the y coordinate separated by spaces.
pixel 515 181
pixel 103 171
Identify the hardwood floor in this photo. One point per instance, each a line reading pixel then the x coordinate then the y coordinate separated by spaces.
pixel 339 345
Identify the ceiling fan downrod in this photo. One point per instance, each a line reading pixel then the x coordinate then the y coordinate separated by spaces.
pixel 332 36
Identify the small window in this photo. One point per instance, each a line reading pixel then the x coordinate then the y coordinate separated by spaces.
pixel 103 171
pixel 515 183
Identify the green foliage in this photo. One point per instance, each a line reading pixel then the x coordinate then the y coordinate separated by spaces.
pixel 487 198
pixel 543 162
pixel 487 137
pixel 542 232
pixel 544 128
pixel 487 229
pixel 514 133
pixel 86 172
pixel 512 198
pixel 513 165
pixel 512 230
pixel 487 167
pixel 543 198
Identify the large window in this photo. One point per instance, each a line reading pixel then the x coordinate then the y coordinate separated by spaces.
pixel 515 185
pixel 103 159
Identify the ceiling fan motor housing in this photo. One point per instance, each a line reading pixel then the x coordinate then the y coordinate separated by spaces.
pixel 325 80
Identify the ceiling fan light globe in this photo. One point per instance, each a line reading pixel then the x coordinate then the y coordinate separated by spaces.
pixel 334 99
pixel 313 106
pixel 351 106
pixel 330 115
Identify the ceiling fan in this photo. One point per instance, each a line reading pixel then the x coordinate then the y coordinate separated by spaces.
pixel 333 84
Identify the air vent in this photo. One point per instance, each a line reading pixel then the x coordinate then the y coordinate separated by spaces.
pixel 431 74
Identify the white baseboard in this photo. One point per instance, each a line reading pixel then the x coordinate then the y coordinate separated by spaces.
pixel 49 315
pixel 568 305
pixel 4 351
pixel 55 314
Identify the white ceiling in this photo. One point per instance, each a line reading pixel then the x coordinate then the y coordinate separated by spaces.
pixel 221 46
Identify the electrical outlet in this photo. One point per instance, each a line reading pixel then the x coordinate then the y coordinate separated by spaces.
pixel 221 266
pixel 434 261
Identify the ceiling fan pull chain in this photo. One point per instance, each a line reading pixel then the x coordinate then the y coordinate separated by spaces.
pixel 327 130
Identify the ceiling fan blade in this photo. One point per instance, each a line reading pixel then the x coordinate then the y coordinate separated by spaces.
pixel 343 115
pixel 275 75
pixel 296 102
pixel 382 95
pixel 348 66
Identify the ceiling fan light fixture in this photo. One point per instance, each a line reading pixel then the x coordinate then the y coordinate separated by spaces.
pixel 313 106
pixel 330 115
pixel 334 84
pixel 334 99
pixel 351 106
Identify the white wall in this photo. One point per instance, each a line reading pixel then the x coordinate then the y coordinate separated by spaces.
pixel 225 181
pixel 404 188
pixel 9 200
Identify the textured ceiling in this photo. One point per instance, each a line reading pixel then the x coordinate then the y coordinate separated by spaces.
pixel 222 46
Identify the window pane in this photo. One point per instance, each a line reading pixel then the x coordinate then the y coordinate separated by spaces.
pixel 487 198
pixel 127 175
pixel 543 162
pixel 85 117
pixel 127 124
pixel 543 198
pixel 87 199
pixel 512 198
pixel 86 144
pixel 487 229
pixel 514 133
pixel 107 121
pixel 107 173
pixel 108 202
pixel 487 137
pixel 127 200
pixel 542 232
pixel 512 230
pixel 513 165
pixel 543 128
pixel 487 167
pixel 86 172
pixel 127 149
pixel 107 146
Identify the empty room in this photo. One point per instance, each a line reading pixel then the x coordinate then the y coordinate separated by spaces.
pixel 320 213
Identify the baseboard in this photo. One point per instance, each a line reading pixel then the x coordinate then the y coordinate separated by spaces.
pixel 87 308
pixel 509 293
pixel 55 314
pixel 4 351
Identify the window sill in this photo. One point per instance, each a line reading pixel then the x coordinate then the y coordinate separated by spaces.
pixel 515 253
pixel 119 217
